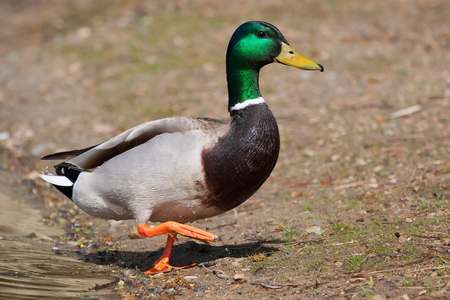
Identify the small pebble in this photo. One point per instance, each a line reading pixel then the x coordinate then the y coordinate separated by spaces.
pixel 189 278
pixel 315 229
pixel 239 278
pixel 4 135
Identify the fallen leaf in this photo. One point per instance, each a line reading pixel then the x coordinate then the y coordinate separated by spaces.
pixel 257 257
pixel 297 194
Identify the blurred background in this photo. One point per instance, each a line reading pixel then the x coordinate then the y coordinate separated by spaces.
pixel 357 139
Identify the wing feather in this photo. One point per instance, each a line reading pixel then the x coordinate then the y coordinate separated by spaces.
pixel 66 154
pixel 94 156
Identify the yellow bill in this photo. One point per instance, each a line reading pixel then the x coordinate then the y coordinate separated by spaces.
pixel 290 57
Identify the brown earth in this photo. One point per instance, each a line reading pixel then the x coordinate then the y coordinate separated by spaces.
pixel 358 204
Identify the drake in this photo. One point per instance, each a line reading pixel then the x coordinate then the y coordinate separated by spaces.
pixel 179 169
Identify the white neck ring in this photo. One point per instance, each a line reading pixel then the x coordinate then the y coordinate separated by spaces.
pixel 246 103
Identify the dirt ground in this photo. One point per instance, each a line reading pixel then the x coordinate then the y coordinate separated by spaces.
pixel 358 205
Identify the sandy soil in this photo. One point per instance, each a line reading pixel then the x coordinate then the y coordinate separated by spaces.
pixel 358 204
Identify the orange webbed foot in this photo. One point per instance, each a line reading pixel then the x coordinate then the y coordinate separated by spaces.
pixel 162 266
pixel 172 229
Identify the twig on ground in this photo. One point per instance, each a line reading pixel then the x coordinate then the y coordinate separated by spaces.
pixel 280 286
pixel 445 291
pixel 339 244
pixel 306 241
pixel 316 273
pixel 349 185
pixel 267 286
pixel 440 256
pixel 396 269
pixel 406 111
pixel 416 261
pixel 413 173
pixel 233 288
pixel 427 236
pixel 106 285
pixel 219 273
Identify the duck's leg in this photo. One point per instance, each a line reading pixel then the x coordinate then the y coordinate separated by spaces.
pixel 172 229
pixel 162 264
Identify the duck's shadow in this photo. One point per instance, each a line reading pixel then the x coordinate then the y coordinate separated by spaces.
pixel 182 255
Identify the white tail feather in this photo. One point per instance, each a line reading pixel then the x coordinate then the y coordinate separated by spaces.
pixel 56 179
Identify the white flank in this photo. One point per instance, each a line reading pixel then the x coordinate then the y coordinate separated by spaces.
pixel 246 103
pixel 56 180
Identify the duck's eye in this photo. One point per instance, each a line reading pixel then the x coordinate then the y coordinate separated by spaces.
pixel 261 34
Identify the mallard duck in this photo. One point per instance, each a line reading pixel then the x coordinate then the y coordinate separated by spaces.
pixel 179 169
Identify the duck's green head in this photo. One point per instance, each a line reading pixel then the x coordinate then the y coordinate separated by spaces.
pixel 253 45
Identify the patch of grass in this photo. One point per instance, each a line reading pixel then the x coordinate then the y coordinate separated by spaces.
pixel 406 282
pixel 343 233
pixel 354 203
pixel 423 204
pixel 367 292
pixel 264 263
pixel 291 233
pixel 381 248
pixel 437 190
pixel 443 272
pixel 353 262
pixel 340 226
pixel 375 240
pixel 314 265
pixel 307 206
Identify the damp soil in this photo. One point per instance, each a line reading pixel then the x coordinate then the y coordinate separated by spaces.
pixel 357 206
pixel 35 260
